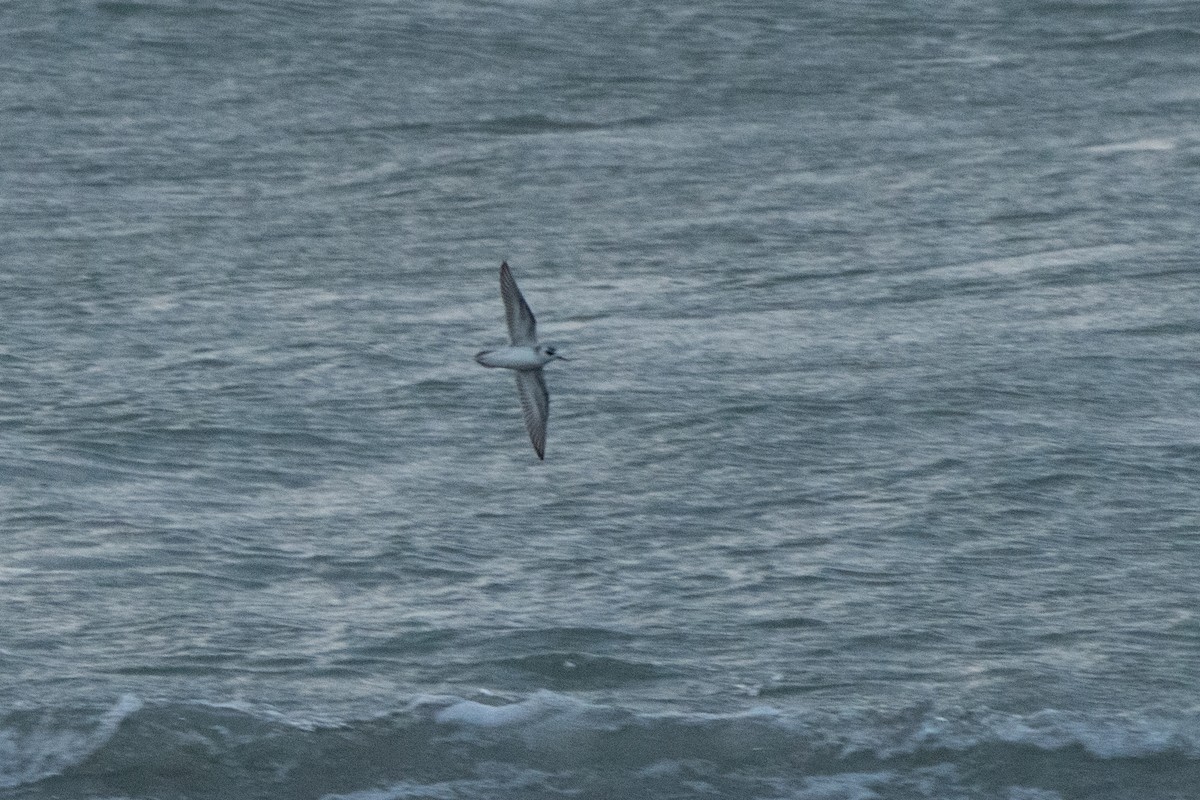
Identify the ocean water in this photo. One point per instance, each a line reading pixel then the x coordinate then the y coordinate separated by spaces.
pixel 876 473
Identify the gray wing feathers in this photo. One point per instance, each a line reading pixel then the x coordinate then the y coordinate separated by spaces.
pixel 522 327
pixel 535 403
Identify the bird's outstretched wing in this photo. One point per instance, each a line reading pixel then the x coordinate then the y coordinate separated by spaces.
pixel 522 327
pixel 535 403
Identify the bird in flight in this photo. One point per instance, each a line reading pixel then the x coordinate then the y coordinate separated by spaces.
pixel 525 357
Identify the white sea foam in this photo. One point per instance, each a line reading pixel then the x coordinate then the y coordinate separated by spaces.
pixel 402 791
pixel 469 712
pixel 40 747
pixel 1152 145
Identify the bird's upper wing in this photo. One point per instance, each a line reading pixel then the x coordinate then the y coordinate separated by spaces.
pixel 522 327
pixel 535 403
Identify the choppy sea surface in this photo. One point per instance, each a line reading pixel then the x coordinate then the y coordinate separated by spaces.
pixel 876 473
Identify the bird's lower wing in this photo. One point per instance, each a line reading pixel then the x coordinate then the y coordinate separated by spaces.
pixel 535 403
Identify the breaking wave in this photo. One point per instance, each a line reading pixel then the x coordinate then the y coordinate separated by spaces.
pixel 553 745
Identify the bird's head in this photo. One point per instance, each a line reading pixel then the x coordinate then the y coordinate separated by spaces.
pixel 550 353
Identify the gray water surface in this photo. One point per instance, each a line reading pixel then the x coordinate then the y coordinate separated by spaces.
pixel 875 473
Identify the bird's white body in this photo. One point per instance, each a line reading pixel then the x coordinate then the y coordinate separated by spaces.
pixel 526 357
pixel 515 357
